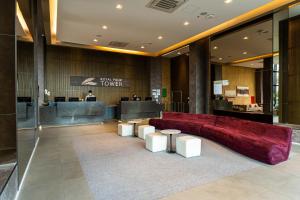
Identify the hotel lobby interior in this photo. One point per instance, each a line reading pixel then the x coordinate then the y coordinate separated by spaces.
pixel 150 99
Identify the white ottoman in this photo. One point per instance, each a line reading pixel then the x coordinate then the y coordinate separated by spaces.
pixel 188 146
pixel 145 130
pixel 125 129
pixel 156 142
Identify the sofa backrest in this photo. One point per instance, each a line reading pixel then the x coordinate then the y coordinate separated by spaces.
pixel 200 118
pixel 267 130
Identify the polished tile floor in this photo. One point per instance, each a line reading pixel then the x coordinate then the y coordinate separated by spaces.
pixel 56 174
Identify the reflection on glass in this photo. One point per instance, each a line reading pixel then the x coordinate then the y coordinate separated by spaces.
pixel 25 105
pixel 244 59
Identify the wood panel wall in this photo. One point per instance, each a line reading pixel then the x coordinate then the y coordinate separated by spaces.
pixel 25 69
pixel 294 71
pixel 239 76
pixel 63 62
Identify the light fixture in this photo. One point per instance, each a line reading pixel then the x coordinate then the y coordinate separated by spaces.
pixel 104 27
pixel 178 53
pixel 160 37
pixel 142 47
pixel 215 48
pixel 245 38
pixel 119 6
pixel 95 40
pixel 245 52
pixel 220 58
pixel 186 23
pixel 228 1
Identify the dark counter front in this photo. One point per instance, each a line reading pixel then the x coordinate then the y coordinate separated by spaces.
pixel 252 116
pixel 64 113
pixel 138 109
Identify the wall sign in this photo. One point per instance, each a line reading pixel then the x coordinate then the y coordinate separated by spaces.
pixel 98 81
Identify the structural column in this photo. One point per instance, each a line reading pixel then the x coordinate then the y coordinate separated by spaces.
pixel 7 75
pixel 199 77
pixel 160 77
pixel 267 85
pixel 39 45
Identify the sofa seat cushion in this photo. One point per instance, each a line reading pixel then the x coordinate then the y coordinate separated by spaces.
pixel 247 143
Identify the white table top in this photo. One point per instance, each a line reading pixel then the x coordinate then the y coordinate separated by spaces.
pixel 170 131
pixel 134 121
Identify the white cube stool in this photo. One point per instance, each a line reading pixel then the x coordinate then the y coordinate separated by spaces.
pixel 156 142
pixel 145 130
pixel 125 129
pixel 188 146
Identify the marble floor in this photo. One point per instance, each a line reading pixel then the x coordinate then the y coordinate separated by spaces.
pixel 56 173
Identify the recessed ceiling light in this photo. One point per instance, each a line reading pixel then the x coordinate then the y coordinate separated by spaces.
pixel 215 47
pixel 160 37
pixel 119 6
pixel 228 1
pixel 220 58
pixel 245 52
pixel 178 53
pixel 245 38
pixel 186 23
pixel 95 40
pixel 142 47
pixel 104 27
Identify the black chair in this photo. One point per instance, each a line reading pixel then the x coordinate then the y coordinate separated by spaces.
pixel 72 99
pixel 148 98
pixel 124 98
pixel 59 99
pixel 24 99
pixel 91 99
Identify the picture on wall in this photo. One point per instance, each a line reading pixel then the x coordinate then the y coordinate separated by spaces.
pixel 230 93
pixel 242 91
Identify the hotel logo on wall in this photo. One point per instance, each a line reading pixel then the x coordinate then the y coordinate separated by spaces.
pixel 98 81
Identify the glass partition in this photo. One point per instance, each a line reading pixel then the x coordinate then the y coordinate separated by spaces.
pixel 26 98
pixel 242 70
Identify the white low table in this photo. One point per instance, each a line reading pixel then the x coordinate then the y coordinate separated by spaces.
pixel 170 133
pixel 134 122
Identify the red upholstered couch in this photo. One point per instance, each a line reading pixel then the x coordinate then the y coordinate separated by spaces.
pixel 264 142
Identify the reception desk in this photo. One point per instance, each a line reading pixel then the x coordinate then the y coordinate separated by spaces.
pixel 138 109
pixel 64 113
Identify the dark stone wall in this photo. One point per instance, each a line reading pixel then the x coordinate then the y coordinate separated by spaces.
pixel 199 77
pixel 7 75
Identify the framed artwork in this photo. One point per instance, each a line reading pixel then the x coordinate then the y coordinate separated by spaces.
pixel 242 91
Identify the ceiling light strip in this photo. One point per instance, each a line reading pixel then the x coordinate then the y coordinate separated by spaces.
pixel 23 23
pixel 102 48
pixel 256 58
pixel 53 20
pixel 229 24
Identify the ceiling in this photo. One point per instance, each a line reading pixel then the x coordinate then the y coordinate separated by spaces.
pixel 234 47
pixel 81 21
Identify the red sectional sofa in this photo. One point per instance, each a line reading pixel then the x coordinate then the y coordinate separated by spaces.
pixel 264 142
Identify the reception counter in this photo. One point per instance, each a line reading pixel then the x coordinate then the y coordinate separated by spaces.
pixel 138 109
pixel 64 113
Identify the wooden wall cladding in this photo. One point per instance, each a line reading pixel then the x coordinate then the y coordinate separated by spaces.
pixel 239 76
pixel 63 62
pixel 294 71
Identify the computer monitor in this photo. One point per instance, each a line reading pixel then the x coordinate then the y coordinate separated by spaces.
pixel 148 98
pixel 91 99
pixel 73 99
pixel 124 98
pixel 24 99
pixel 59 99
